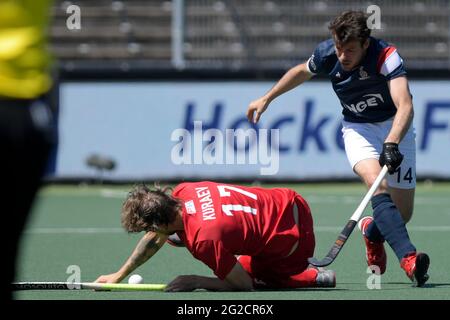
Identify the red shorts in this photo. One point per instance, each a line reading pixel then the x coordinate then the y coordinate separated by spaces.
pixel 277 271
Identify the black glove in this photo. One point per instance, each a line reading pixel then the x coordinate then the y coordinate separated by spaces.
pixel 390 156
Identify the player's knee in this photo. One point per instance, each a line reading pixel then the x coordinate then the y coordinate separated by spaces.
pixel 383 188
pixel 406 214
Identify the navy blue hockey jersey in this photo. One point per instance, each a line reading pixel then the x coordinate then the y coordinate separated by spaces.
pixel 363 92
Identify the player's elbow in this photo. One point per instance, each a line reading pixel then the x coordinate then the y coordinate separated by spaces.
pixel 244 286
pixel 409 109
pixel 411 113
pixel 238 279
pixel 244 283
pixel 406 106
pixel 303 70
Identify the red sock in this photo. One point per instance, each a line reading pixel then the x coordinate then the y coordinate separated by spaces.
pixel 304 279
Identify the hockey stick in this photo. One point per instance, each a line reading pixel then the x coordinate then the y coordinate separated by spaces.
pixel 86 286
pixel 342 238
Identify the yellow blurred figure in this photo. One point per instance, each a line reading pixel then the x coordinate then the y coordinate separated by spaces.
pixel 27 125
pixel 24 57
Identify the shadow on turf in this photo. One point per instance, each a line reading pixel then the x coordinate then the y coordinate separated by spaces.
pixel 434 285
pixel 301 289
pixel 427 285
pixel 406 285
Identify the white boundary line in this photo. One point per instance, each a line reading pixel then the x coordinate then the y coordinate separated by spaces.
pixel 346 199
pixel 412 228
pixel 74 230
pixel 317 198
pixel 120 230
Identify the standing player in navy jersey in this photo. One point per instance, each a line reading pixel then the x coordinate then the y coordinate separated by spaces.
pixel 250 237
pixel 369 79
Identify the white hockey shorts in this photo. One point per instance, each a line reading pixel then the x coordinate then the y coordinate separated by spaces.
pixel 365 141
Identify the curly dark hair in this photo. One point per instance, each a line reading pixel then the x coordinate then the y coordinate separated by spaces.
pixel 349 26
pixel 145 209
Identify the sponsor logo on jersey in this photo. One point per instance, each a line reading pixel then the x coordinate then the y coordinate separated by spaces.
pixel 338 75
pixel 190 207
pixel 363 75
pixel 372 100
pixel 206 202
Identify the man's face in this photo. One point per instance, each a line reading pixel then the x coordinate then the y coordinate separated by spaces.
pixel 351 53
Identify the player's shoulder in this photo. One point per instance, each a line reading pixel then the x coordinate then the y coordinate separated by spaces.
pixel 386 56
pixel 285 191
pixel 274 192
pixel 324 58
pixel 325 49
pixel 382 49
pixel 182 188
pixel 192 186
pixel 179 187
pixel 380 44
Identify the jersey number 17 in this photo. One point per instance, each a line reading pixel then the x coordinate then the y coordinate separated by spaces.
pixel 225 191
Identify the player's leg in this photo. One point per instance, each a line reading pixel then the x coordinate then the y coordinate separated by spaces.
pixel 359 141
pixel 26 145
pixel 368 170
pixel 256 272
pixel 387 221
pixel 300 275
pixel 402 183
pixel 385 211
pixel 404 200
pixel 268 276
pixel 291 271
pixel 312 278
pixel 392 227
pixel 402 188
pixel 389 224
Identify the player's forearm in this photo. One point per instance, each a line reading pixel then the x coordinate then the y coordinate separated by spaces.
pixel 402 98
pixel 402 122
pixel 215 284
pixel 291 79
pixel 150 243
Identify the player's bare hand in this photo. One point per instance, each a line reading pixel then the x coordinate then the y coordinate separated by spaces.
pixel 109 278
pixel 183 283
pixel 256 109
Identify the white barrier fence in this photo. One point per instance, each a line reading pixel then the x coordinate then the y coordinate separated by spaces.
pixel 141 126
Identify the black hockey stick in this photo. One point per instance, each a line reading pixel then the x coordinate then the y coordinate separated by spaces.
pixel 87 286
pixel 343 236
